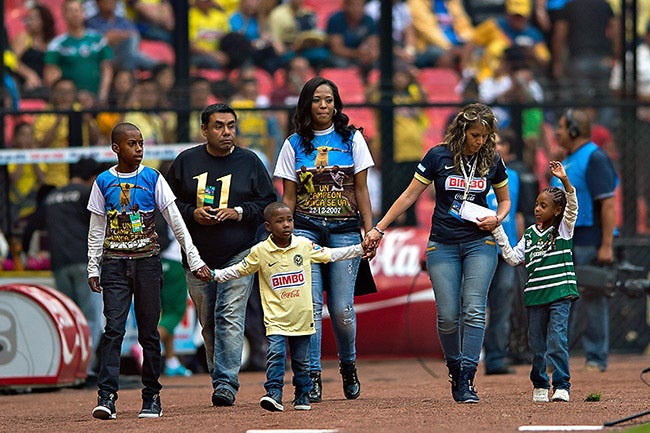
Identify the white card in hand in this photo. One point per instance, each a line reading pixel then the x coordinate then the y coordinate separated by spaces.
pixel 471 211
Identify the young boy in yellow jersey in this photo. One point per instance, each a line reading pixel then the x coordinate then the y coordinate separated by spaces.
pixel 284 265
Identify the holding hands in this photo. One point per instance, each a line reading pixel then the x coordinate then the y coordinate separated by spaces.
pixel 204 273
pixel 371 242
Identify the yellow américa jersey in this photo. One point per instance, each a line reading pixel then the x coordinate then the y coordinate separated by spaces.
pixel 285 283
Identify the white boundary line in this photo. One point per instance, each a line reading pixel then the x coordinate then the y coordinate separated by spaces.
pixel 292 431
pixel 560 427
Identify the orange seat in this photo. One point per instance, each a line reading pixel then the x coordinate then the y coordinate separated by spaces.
pixel 265 83
pixel 349 83
pixel 14 16
pixel 323 10
pixel 210 74
pixel 29 104
pixel 158 50
pixel 439 84
pixel 365 118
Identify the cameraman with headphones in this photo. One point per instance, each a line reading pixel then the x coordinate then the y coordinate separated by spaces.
pixel 592 174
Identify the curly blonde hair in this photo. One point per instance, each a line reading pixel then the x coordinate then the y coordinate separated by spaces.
pixel 467 117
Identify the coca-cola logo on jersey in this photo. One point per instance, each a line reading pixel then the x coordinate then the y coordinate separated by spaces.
pixel 400 252
pixel 288 294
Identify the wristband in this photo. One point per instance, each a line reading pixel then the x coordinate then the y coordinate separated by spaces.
pixel 378 231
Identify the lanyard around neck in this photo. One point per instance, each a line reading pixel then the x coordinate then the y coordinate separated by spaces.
pixel 468 179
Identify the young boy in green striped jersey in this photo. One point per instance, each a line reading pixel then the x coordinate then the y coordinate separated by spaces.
pixel 545 249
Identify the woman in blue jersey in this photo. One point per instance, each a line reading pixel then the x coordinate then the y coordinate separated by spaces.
pixel 323 167
pixel 461 253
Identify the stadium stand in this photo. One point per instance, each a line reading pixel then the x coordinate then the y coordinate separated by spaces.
pixel 323 10
pixel 349 83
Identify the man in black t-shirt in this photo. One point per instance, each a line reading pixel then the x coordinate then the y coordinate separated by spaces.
pixel 221 190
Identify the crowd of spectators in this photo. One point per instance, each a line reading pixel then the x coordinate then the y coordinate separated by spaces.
pixel 105 56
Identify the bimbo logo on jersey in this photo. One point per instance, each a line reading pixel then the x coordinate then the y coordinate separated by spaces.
pixel 287 279
pixel 457 183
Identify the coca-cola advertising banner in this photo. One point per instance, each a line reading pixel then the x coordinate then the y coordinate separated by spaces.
pixel 400 319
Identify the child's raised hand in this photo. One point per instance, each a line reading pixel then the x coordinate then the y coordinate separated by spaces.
pixel 557 169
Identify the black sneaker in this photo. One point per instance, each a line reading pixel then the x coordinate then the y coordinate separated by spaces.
pixel 272 402
pixel 316 392
pixel 454 379
pixel 351 385
pixel 470 395
pixel 223 397
pixel 302 403
pixel 151 408
pixel 105 408
pixel 455 389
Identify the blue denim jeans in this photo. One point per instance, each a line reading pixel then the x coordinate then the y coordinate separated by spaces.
pixel 591 313
pixel 72 281
pixel 500 299
pixel 340 295
pixel 221 309
pixel 121 280
pixel 276 356
pixel 461 274
pixel 548 327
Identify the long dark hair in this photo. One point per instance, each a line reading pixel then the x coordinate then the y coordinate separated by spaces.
pixel 302 120
pixel 48 26
pixel 467 117
pixel 559 199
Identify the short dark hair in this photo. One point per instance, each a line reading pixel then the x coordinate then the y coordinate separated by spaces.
pixel 216 108
pixel 119 130
pixel 270 209
pixel 85 168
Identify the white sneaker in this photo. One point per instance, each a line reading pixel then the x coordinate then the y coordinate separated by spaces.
pixel 540 395
pixel 560 395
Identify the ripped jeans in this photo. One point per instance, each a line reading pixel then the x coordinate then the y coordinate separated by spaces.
pixel 340 293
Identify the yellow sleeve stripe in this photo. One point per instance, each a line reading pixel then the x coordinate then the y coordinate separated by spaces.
pixel 422 179
pixel 500 185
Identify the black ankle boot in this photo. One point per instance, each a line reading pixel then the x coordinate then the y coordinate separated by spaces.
pixel 316 391
pixel 466 388
pixel 351 385
pixel 454 379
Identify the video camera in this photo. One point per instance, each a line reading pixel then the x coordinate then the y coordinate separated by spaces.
pixel 606 280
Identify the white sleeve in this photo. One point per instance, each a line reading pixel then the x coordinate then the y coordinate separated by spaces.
pixel 4 247
pixel 345 253
pixel 361 153
pixel 173 217
pixel 227 274
pixel 285 167
pixel 164 194
pixel 509 255
pixel 570 215
pixel 96 233
pixel 96 201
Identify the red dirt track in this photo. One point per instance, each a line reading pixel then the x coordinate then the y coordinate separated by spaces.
pixel 397 396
